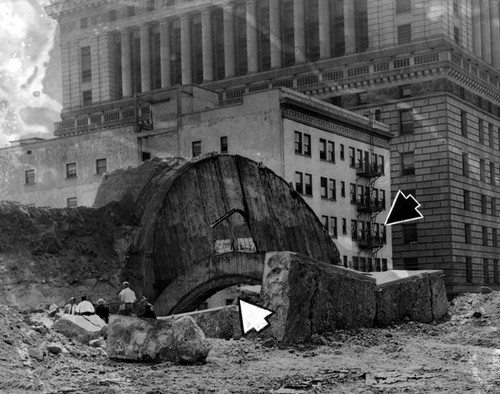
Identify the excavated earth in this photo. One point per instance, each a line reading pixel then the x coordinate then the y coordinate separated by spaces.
pixel 459 355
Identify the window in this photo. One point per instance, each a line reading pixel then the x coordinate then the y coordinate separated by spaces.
pixel 491 135
pixel 70 170
pixel 456 35
pixel 384 264
pixel 150 5
pixel 360 158
pixel 382 198
pixel 481 170
pixel 360 196
pixel 307 145
pixel 353 193
pixel 308 185
pixel 322 149
pixel 196 148
pixel 381 163
pixel 409 233
pixel 404 34
pixel 29 177
pixel 405 122
pixel 302 144
pixel 345 261
pixel 112 15
pixel 330 152
pixel 223 145
pixel 332 189
pixel 408 163
pixel 486 271
pixel 485 235
pixel 492 173
pixel 483 204
pixel 403 6
pixel 325 221
pixel 354 229
pixel 496 279
pixel 86 98
pixel 324 187
pixel 71 202
pixel 299 183
pixel 467 231
pixel 100 166
pixel 410 263
pixel 344 226
pixel 481 131
pixel 130 10
pixel 84 23
pixel 493 206
pixel 85 63
pixel 378 115
pixel 342 188
pixel 468 269
pixel 456 9
pixel 463 123
pixel 333 226
pixel 465 164
pixel 352 157
pixel 494 237
pixel 298 142
pixel 342 152
pixel 146 156
pixel 355 262
pixel 466 195
pixel 405 90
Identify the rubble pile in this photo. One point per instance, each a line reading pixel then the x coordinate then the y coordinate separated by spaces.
pixel 49 255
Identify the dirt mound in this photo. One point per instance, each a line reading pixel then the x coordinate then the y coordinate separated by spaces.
pixel 48 255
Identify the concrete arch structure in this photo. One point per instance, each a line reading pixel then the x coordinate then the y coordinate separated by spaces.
pixel 196 212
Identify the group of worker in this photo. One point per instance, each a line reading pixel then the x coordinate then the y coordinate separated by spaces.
pixel 127 300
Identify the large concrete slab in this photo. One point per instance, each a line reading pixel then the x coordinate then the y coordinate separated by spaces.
pixel 416 295
pixel 311 297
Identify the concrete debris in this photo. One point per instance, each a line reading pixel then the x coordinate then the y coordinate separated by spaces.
pixel 81 328
pixel 99 342
pixel 54 348
pixel 410 295
pixel 223 322
pixel 311 297
pixel 177 340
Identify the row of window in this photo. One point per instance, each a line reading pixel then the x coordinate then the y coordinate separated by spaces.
pixel 484 203
pixel 357 157
pixel 196 148
pixel 486 130
pixel 482 169
pixel 71 171
pixel 485 232
pixel 490 271
pixel 366 264
pixel 112 14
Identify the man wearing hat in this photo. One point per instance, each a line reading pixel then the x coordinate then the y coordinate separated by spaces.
pixel 127 299
pixel 148 309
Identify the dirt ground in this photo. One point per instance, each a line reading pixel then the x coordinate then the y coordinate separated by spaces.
pixel 459 355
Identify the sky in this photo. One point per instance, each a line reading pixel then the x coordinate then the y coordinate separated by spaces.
pixel 30 71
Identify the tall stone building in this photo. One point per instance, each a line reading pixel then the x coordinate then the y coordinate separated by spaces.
pixel 427 68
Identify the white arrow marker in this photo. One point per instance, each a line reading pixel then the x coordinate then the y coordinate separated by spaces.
pixel 253 317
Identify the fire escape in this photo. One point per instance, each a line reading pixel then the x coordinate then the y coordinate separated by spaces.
pixel 370 236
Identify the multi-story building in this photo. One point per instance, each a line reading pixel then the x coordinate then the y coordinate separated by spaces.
pixel 427 68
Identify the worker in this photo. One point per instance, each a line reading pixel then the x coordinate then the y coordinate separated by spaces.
pixel 70 308
pixel 85 307
pixel 148 309
pixel 127 299
pixel 102 310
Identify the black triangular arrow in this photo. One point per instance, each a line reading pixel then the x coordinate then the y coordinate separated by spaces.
pixel 403 209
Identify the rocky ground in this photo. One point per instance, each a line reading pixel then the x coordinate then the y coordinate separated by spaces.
pixel 461 354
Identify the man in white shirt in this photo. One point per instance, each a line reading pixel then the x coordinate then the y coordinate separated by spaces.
pixel 85 307
pixel 127 299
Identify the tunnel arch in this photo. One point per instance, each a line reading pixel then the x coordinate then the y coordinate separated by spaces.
pixel 187 222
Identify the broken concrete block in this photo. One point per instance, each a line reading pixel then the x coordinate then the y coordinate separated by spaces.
pixel 178 340
pixel 81 328
pixel 222 323
pixel 418 295
pixel 54 348
pixel 310 297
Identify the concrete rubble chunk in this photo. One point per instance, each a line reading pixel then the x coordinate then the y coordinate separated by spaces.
pixel 54 348
pixel 222 322
pixel 310 297
pixel 177 340
pixel 82 328
pixel 416 295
